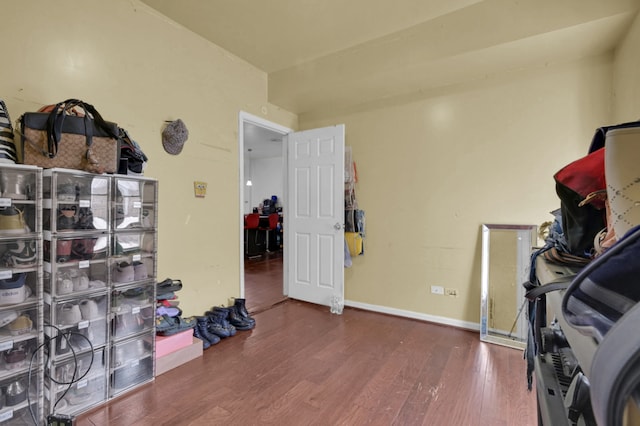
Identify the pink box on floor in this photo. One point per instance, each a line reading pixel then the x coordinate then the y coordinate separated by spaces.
pixel 167 344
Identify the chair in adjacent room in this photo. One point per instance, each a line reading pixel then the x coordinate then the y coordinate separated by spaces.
pixel 271 226
pixel 252 243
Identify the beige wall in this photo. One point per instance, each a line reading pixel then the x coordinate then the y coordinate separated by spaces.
pixel 432 170
pixel 139 69
pixel 626 77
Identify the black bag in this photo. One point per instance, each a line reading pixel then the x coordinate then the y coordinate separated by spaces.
pixel 581 223
pixel 132 159
pixel 605 289
pixel 602 302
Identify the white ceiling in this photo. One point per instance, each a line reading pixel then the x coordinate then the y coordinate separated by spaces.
pixel 261 143
pixel 326 56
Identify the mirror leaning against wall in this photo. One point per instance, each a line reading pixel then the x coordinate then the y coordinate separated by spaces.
pixel 506 253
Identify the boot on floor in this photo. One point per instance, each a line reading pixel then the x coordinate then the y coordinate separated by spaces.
pixel 241 308
pixel 219 325
pixel 204 334
pixel 205 342
pixel 234 318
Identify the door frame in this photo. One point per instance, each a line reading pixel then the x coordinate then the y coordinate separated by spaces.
pixel 245 117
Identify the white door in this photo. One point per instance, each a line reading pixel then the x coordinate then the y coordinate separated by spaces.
pixel 314 220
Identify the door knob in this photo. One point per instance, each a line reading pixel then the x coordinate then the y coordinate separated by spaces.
pixel 338 226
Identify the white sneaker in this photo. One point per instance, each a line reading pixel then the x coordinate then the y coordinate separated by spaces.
pixel 65 286
pixel 89 309
pixel 70 314
pixel 81 282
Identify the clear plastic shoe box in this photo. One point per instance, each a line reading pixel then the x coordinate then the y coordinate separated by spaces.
pixel 77 278
pixel 75 201
pixel 19 254
pixel 78 383
pixel 131 363
pixel 68 249
pixel 133 258
pixel 134 205
pixel 133 310
pixel 20 400
pixel 18 340
pixel 18 288
pixel 81 324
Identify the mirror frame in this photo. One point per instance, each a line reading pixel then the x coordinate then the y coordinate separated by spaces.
pixel 528 239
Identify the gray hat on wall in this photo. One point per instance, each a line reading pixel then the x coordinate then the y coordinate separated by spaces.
pixel 174 136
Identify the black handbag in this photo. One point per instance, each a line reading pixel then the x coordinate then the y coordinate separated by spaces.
pixel 132 159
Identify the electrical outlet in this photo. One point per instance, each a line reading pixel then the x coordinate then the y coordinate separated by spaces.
pixel 437 289
pixel 451 292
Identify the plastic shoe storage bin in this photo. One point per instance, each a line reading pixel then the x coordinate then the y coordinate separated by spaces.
pixel 134 203
pixel 85 378
pixel 18 393
pixel 19 207
pixel 18 324
pixel 77 248
pixel 131 363
pixel 132 243
pixel 17 218
pixel 82 320
pixel 75 278
pixel 18 183
pixel 18 344
pixel 18 288
pixel 75 201
pixel 132 310
pixel 133 268
pixel 19 254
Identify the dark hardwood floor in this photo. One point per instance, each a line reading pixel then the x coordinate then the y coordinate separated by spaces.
pixel 263 281
pixel 302 365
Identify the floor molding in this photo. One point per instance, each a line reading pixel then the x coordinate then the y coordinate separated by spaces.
pixel 414 315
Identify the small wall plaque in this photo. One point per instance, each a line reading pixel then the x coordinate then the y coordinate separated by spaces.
pixel 200 189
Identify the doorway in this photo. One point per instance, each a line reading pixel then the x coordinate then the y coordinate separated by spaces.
pixel 262 164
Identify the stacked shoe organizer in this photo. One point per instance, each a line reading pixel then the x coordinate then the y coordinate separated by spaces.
pixel 99 269
pixel 133 278
pixel 76 250
pixel 21 321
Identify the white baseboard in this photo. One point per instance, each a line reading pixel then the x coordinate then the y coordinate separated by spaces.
pixel 414 315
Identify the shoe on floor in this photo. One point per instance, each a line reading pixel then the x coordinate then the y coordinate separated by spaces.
pixel 203 332
pixel 168 286
pixel 173 325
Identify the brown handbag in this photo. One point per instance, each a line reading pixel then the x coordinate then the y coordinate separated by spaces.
pixel 72 135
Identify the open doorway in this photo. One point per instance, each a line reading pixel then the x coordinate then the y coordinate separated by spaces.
pixel 262 165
